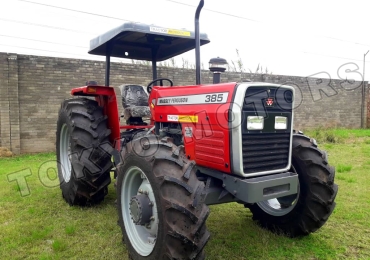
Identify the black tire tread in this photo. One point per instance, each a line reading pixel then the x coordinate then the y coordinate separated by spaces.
pixel 186 238
pixel 89 130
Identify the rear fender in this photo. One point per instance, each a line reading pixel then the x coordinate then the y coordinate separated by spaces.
pixel 106 98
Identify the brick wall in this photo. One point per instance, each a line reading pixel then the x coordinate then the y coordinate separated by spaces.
pixel 4 103
pixel 32 88
pixel 9 103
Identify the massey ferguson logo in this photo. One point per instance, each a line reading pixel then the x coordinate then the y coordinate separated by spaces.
pixel 269 102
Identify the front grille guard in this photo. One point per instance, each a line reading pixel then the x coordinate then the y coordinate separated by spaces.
pixel 243 166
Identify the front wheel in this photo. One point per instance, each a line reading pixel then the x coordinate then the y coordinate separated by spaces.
pixel 160 202
pixel 309 209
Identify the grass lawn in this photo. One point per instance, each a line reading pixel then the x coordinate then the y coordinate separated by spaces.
pixel 36 223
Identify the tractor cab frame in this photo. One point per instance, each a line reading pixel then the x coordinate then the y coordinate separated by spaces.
pixel 138 41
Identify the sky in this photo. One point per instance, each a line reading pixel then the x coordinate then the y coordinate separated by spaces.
pixel 311 38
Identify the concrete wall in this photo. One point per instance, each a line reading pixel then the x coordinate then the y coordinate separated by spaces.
pixel 32 88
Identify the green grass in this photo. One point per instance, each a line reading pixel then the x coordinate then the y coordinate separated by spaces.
pixel 40 225
pixel 344 168
pixel 338 135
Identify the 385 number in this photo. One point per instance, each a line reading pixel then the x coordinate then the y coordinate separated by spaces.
pixel 214 98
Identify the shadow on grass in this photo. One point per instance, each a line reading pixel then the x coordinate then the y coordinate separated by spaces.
pixel 234 235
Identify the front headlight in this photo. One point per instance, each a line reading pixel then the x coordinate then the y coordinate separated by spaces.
pixel 255 122
pixel 281 122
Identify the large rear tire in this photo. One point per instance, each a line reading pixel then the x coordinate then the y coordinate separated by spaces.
pixel 83 152
pixel 161 171
pixel 307 211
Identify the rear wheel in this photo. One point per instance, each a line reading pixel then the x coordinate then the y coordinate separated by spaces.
pixel 309 209
pixel 83 152
pixel 160 202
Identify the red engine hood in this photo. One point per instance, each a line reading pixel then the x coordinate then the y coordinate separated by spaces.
pixel 203 112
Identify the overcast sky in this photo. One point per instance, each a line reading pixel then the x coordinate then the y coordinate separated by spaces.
pixel 287 37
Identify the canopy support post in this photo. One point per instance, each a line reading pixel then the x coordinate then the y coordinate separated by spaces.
pixel 107 70
pixel 154 62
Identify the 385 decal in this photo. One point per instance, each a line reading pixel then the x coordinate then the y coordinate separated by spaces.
pixel 214 98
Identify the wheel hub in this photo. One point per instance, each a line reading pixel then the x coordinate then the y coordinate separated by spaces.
pixel 280 206
pixel 136 195
pixel 65 153
pixel 287 201
pixel 141 210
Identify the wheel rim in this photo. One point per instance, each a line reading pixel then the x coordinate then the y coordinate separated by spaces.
pixel 142 238
pixel 276 208
pixel 65 152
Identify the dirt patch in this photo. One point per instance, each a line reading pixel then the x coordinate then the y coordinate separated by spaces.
pixel 5 152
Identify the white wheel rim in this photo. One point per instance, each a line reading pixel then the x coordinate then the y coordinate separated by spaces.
pixel 65 152
pixel 142 238
pixel 275 208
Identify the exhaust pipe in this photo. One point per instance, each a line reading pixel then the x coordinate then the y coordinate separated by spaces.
pixel 197 43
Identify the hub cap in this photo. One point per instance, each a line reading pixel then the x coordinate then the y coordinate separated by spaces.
pixel 141 209
pixel 65 152
pixel 137 203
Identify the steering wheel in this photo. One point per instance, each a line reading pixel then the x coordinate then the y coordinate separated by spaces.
pixel 149 87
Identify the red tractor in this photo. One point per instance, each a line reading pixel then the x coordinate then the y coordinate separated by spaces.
pixel 201 145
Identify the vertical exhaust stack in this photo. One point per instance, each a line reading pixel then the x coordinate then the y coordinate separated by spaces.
pixel 197 43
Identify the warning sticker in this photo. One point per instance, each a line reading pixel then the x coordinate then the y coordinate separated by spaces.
pixel 183 118
pixel 178 32
pixel 169 31
pixel 173 118
pixel 188 119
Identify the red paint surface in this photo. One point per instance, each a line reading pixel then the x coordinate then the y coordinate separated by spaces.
pixel 106 98
pixel 209 146
pixel 210 143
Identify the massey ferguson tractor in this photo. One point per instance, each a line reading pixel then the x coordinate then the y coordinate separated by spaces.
pixel 178 149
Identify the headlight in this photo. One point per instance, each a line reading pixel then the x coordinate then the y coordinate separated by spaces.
pixel 255 122
pixel 281 122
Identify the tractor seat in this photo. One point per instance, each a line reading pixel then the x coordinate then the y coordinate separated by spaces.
pixel 134 101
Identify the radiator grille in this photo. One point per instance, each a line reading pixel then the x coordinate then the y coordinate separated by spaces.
pixel 265 151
